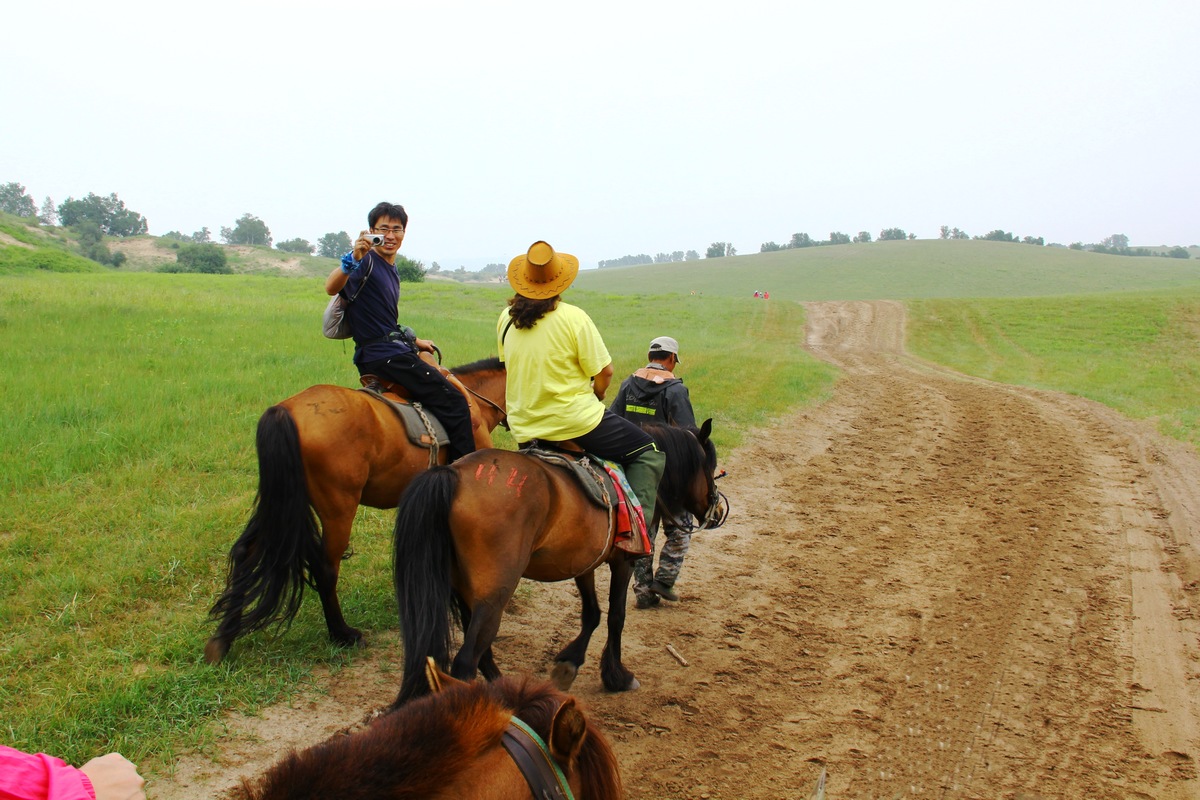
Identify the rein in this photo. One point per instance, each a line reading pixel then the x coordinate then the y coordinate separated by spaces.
pixel 503 413
pixel 492 403
pixel 532 757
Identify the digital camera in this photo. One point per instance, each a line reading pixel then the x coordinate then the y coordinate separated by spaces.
pixel 375 239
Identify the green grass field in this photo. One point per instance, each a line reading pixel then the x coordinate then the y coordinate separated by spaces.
pixel 130 401
pixel 127 457
pixel 1135 352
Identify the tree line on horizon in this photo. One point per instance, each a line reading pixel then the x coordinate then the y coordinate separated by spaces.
pixel 1117 244
pixel 95 216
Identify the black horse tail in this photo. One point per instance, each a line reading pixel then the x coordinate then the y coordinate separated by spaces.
pixel 281 548
pixel 422 556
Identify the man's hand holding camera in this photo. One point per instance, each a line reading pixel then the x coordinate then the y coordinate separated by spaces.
pixel 366 240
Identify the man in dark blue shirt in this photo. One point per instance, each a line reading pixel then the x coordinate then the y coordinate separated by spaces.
pixel 382 346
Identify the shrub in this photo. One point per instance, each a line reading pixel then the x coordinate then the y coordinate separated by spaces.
pixel 208 258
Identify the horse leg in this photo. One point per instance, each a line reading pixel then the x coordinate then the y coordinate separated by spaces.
pixel 570 659
pixel 336 528
pixel 487 661
pixel 482 623
pixel 612 672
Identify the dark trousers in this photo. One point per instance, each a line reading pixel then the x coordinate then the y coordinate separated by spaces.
pixel 616 439
pixel 428 387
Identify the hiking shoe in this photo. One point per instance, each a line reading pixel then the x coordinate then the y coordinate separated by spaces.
pixel 647 600
pixel 663 591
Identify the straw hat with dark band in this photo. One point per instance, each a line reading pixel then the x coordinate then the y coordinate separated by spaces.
pixel 542 273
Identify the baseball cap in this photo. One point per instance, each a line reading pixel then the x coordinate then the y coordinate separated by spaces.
pixel 665 344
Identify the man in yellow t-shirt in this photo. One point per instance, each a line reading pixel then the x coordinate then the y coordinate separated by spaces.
pixel 559 369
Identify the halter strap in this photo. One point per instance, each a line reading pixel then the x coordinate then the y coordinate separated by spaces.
pixel 532 757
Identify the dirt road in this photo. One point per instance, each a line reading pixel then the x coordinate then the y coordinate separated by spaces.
pixel 930 586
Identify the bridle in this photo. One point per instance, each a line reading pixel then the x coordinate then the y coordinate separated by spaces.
pixel 714 516
pixel 718 506
pixel 531 755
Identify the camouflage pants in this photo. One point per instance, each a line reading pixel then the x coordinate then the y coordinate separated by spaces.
pixel 670 560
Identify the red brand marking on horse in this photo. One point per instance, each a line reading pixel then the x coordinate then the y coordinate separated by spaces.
pixel 491 473
pixel 514 483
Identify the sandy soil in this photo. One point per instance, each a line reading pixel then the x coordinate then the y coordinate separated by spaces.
pixel 8 241
pixel 143 252
pixel 929 586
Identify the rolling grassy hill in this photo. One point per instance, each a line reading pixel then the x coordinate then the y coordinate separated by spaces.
pixel 901 271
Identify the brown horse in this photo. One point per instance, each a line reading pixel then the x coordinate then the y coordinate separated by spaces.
pixel 321 454
pixel 503 740
pixel 467 533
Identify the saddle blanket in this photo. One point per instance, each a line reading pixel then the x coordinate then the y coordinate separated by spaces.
pixel 413 416
pixel 607 488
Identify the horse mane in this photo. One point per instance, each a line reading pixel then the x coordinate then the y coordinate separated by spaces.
pixel 417 750
pixel 686 455
pixel 535 702
pixel 482 365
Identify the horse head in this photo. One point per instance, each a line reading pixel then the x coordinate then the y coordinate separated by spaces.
pixel 553 764
pixel 462 740
pixel 689 483
pixel 716 507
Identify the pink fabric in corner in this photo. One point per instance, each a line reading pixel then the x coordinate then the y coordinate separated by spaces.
pixel 40 777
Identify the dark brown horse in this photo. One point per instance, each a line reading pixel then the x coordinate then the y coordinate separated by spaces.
pixel 321 454
pixel 467 741
pixel 467 533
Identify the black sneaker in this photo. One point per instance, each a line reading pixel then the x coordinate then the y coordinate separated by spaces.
pixel 663 591
pixel 647 600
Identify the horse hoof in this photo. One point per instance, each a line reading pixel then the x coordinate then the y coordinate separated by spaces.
pixel 352 638
pixel 215 650
pixel 563 675
pixel 633 684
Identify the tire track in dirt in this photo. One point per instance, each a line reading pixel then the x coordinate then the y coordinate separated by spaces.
pixel 926 590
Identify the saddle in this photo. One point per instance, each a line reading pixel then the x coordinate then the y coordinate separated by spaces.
pixel 603 483
pixel 422 427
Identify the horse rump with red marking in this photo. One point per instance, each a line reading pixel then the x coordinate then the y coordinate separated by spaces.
pixel 467 533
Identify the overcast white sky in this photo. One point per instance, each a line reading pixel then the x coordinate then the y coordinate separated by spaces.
pixel 613 128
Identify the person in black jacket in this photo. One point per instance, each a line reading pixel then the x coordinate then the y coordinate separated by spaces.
pixel 654 394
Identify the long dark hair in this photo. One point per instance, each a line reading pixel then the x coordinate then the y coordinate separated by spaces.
pixel 526 312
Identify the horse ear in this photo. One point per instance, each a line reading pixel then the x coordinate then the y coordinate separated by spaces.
pixel 438 680
pixel 706 430
pixel 567 733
